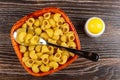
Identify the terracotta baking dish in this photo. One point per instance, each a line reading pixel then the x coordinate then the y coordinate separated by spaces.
pixel 35 14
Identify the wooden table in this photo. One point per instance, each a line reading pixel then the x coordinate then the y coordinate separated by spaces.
pixel 107 46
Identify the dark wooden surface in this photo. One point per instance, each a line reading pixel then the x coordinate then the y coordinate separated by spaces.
pixel 107 46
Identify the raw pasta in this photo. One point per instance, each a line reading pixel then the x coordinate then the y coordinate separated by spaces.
pixel 63 38
pixel 34 40
pixel 38 48
pixel 45 58
pixel 44 68
pixel 44 49
pixel 30 22
pixel 37 22
pixel 39 62
pixel 33 55
pixel 47 15
pixel 21 36
pixel 65 27
pixel 23 48
pixel 40 20
pixel 63 59
pixel 56 16
pixel 53 64
pixel 38 31
pixel 31 48
pixel 49 32
pixel 35 68
pixel 24 59
pixel 29 62
pixel 52 22
pixel 51 50
pixel 53 28
pixel 27 38
pixel 72 44
pixel 24 26
pixel 26 54
pixel 44 35
pixel 57 55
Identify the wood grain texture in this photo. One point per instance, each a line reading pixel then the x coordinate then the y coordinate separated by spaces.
pixel 107 46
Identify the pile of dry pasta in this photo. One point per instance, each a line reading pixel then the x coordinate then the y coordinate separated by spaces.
pixel 53 28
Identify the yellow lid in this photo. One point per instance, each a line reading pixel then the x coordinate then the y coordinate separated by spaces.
pixel 95 25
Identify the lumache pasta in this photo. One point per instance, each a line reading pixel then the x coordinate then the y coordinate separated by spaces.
pixel 53 64
pixel 35 68
pixel 53 28
pixel 44 68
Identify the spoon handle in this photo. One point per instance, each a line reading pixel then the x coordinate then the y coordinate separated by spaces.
pixel 85 54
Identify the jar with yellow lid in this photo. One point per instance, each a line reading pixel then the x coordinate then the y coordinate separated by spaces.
pixel 94 27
